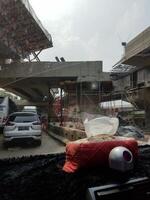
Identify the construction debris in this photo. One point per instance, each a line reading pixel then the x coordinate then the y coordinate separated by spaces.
pixel 130 131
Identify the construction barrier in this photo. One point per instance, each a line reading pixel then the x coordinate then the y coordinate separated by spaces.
pixel 68 133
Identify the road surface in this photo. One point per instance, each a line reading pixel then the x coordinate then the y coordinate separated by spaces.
pixel 48 146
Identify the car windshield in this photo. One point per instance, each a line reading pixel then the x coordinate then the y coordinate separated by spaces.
pixel 74 78
pixel 28 110
pixel 22 118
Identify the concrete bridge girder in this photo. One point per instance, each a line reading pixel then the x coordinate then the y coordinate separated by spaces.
pixel 27 90
pixel 53 69
pixel 35 79
pixel 31 89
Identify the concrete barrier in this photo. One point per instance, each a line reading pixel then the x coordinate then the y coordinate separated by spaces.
pixel 67 133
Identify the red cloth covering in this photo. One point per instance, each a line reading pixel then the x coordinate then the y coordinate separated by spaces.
pixel 90 154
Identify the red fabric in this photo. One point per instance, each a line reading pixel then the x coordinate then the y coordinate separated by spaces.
pixel 80 155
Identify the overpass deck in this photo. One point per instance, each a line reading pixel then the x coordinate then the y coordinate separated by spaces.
pixel 21 32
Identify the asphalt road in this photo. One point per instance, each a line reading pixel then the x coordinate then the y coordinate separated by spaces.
pixel 48 146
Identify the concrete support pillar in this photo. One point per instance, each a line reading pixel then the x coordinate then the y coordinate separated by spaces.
pixel 61 102
pixel 50 107
pixel 147 117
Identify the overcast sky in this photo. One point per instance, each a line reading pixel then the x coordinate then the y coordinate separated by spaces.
pixel 91 29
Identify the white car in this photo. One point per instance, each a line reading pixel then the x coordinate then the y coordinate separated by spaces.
pixel 22 127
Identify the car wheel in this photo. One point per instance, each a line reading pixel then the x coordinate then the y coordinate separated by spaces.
pixel 1 130
pixel 6 144
pixel 38 142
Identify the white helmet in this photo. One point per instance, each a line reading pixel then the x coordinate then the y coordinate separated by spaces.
pixel 121 159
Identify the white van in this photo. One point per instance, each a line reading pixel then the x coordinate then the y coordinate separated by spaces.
pixel 7 106
pixel 30 109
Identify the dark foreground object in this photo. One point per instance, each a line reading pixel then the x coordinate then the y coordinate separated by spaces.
pixel 137 189
pixel 41 177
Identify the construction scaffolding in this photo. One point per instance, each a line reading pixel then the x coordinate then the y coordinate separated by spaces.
pixel 79 97
pixel 120 70
pixel 21 33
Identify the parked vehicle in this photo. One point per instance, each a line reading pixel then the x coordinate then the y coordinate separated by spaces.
pixel 30 109
pixel 22 127
pixel 7 106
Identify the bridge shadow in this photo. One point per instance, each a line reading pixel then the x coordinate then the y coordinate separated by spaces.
pixel 22 143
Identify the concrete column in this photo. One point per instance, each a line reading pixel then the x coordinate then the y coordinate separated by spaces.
pixel 50 107
pixel 147 117
pixel 61 113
